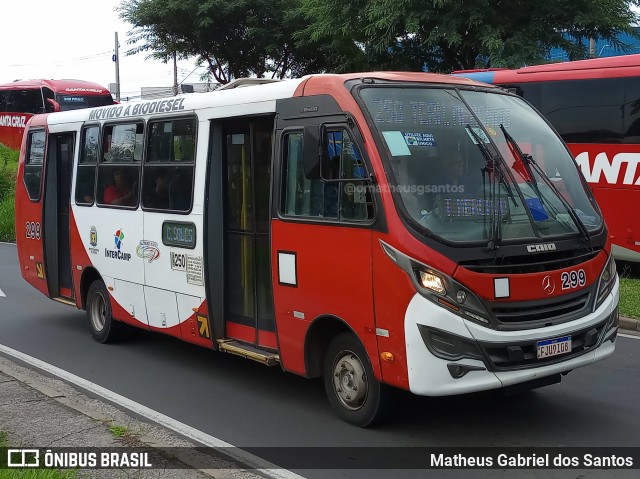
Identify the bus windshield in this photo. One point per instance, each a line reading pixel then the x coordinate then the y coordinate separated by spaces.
pixel 75 102
pixel 479 165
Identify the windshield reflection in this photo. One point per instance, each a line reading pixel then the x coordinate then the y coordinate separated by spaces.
pixel 460 178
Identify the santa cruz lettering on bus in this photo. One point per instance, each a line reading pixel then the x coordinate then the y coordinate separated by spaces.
pixel 610 169
pixel 16 121
pixel 161 106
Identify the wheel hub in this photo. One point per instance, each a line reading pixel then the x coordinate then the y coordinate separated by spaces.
pixel 98 312
pixel 350 380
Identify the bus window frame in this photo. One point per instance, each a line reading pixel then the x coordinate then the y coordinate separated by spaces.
pixel 79 164
pixel 29 134
pixel 193 164
pixel 281 184
pixel 101 161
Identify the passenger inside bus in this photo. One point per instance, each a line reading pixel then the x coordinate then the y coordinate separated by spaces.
pixel 122 192
pixel 179 188
pixel 157 191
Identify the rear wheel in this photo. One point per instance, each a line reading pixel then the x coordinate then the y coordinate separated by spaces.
pixel 101 324
pixel 353 391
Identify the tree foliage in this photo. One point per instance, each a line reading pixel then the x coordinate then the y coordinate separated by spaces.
pixel 446 35
pixel 234 39
pixel 277 38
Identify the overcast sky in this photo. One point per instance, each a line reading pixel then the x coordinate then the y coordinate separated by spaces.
pixel 76 39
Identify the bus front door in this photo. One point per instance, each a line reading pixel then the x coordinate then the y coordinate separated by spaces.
pixel 246 171
pixel 57 249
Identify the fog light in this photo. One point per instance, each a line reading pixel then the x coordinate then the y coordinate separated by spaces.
pixel 461 297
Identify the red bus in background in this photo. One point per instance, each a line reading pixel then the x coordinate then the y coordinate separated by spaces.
pixel 20 100
pixel 595 107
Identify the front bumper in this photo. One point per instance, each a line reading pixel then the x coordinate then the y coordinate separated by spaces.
pixel 490 359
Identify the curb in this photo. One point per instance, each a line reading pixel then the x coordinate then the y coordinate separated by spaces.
pixel 629 324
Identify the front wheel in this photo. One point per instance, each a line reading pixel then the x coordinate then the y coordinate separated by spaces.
pixel 104 329
pixel 353 391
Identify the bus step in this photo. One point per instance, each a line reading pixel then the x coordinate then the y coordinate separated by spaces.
pixel 66 301
pixel 248 352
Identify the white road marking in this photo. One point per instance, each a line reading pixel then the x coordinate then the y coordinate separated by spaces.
pixel 252 461
pixel 2 295
pixel 630 336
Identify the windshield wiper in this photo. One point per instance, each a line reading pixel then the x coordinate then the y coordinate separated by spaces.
pixel 525 160
pixel 531 166
pixel 495 160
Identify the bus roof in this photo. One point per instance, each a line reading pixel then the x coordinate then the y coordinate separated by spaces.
pixel 609 67
pixel 265 92
pixel 58 86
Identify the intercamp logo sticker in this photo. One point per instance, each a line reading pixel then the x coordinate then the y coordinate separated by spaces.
pixel 118 239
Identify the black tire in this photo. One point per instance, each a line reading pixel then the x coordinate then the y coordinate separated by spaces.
pixel 104 329
pixel 353 391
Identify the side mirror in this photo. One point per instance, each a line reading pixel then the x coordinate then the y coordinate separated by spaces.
pixel 311 151
pixel 52 106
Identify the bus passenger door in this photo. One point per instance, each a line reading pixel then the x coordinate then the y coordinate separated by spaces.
pixel 56 217
pixel 242 265
pixel 321 238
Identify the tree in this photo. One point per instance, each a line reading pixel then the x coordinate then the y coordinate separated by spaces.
pixel 446 35
pixel 234 39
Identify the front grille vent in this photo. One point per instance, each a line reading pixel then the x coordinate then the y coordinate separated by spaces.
pixel 531 263
pixel 547 310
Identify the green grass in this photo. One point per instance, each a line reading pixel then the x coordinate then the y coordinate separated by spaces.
pixel 119 431
pixel 630 297
pixel 32 473
pixel 8 169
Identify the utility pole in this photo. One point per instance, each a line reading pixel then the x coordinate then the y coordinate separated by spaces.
pixel 116 58
pixel 592 47
pixel 175 75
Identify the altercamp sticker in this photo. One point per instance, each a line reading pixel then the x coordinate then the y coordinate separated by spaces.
pixel 419 139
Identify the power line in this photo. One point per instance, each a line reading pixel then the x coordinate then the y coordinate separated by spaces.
pixel 73 59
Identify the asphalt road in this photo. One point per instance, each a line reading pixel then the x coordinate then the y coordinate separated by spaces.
pixel 250 405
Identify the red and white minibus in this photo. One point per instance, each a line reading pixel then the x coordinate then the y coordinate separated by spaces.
pixel 20 100
pixel 595 107
pixel 411 230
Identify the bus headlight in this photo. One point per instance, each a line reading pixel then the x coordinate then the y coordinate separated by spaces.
pixel 439 288
pixel 606 281
pixel 449 294
pixel 432 281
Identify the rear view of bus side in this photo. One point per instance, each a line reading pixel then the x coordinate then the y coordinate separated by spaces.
pixel 376 230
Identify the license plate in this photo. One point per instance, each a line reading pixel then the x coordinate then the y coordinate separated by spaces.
pixel 553 347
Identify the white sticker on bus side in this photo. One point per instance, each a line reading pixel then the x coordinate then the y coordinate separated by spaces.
pixel 178 261
pixel 195 270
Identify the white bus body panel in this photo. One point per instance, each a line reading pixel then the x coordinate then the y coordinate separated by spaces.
pixel 429 376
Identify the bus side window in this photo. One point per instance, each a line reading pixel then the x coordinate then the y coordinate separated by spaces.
pixel 167 179
pixel 119 167
pixel 28 101
pixel 340 200
pixel 4 100
pixel 86 175
pixel 33 164
pixel 355 198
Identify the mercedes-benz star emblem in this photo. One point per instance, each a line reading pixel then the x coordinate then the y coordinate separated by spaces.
pixel 548 285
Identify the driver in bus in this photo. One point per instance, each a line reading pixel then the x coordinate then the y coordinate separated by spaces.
pixel 122 192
